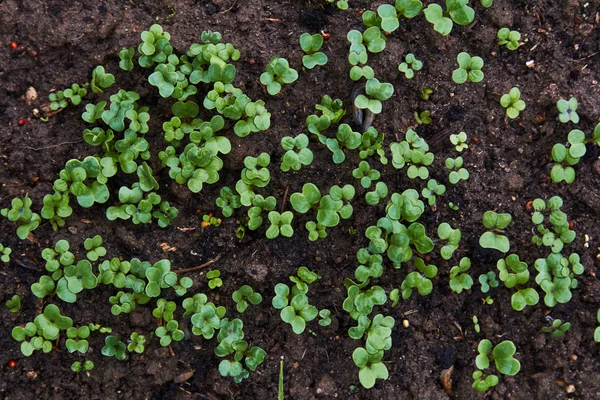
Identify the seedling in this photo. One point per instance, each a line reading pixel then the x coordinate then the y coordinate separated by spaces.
pixel 560 233
pixel 376 92
pixel 513 103
pixel 345 137
pixel 74 94
pixel 20 211
pixel 169 333
pixel 469 68
pixel 371 367
pixel 414 150
pixel 14 304
pixel 426 93
pixel 205 316
pixel 5 253
pixel 210 220
pixel 567 110
pixel 459 141
pixel 432 190
pixel 214 279
pixel 476 324
pixel 365 174
pixel 422 117
pixel 298 313
pixel 245 295
pixel 486 3
pixel 311 44
pixel 483 385
pixel 136 343
pixel 94 248
pixel 101 80
pixel 304 278
pixel 457 172
pixel 278 73
pixel 315 230
pixel 361 302
pixel 420 280
pixel 410 66
pixel 371 143
pixel 557 327
pixel 297 152
pixel 487 300
pixel 281 223
pixel 376 196
pixel 342 5
pixel 255 174
pixel 408 8
pixel 518 275
pixel 494 239
pixel 164 310
pixel 76 339
pixel 451 237
pixel 324 317
pixel 502 354
pixel 509 38
pixel 126 57
pixel 597 330
pixel 78 366
pixel 113 347
pixel 570 155
pixel 487 281
pixel 259 206
pixel 456 10
pixel 459 279
pixel 228 201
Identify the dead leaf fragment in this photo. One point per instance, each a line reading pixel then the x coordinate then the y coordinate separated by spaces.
pixel 165 247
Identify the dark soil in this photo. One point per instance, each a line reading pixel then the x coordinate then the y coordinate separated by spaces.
pixel 61 42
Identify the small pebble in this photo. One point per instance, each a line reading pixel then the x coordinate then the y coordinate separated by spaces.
pixel 72 230
pixel 571 388
pixel 405 323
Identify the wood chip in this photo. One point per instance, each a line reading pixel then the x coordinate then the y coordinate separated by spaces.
pixel 165 247
pixel 186 229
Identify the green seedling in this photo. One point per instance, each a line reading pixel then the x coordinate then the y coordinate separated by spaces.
pixel 456 10
pixel 484 384
pixel 113 347
pixel 259 206
pixel 457 172
pixel 169 333
pixel 570 156
pixel 205 316
pixel 376 92
pixel 453 206
pixel 426 93
pixel 388 18
pixel 227 201
pixel 31 339
pixel 502 354
pixel 560 233
pixel 20 211
pixel 459 141
pixel 476 324
pixel 371 367
pixel 432 190
pixel 487 300
pixel 469 68
pixel 297 152
pixel 451 237
pixel 155 46
pixel 210 220
pixel 96 136
pixel 557 327
pixel 311 44
pixel 408 8
pixel 278 73
pixel 14 304
pixel 56 207
pixel 509 38
pixel 422 118
pixel 74 94
pixel 307 199
pixel 513 103
pixel 493 238
pixel 214 279
pixel 376 196
pixel 86 180
pixel 51 322
pixel 126 302
pixel 345 137
pixel 487 281
pixel 304 278
pixel 371 143
pixel 420 280
pixel 86 366
pixel 414 150
pixel 315 230
pixel 486 3
pixel 410 66
pixel 342 5
pixel 101 80
pixel 245 295
pixel 298 313
pixel 365 174
pixel 514 272
pixel 5 253
pixel 361 302
pixel 94 248
pixel 370 265
pixel 567 110
pixel 281 223
pixel 459 279
pixel 76 339
pixel 126 57
pixel 254 175
pixel 136 343
pixel 164 310
pixel 324 317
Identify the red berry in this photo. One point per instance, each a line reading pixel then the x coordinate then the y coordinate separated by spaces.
pixel 11 364
pixel 13 45
pixel 21 122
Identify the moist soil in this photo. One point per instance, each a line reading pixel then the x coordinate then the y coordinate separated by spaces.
pixel 59 43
